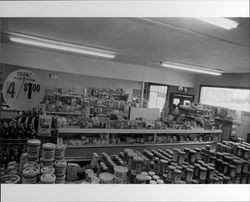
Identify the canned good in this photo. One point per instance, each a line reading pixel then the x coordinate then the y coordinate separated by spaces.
pixel 59 152
pixel 186 150
pixel 156 164
pixel 148 178
pixel 171 172
pixel 202 173
pixel 47 170
pixel 239 151
pixel 141 179
pixel 121 171
pixel 48 178
pixel 246 154
pixel 60 179
pixel 160 181
pixel 218 164
pixel 243 179
pixel 189 175
pixel 232 170
pixel 30 175
pixel 226 180
pixel 138 162
pixel 152 182
pixel 245 165
pixel 183 174
pixel 238 165
pixel 225 167
pixel 156 177
pixel 192 156
pixel 48 151
pixel 106 178
pixel 60 167
pixel 175 154
pixel 33 147
pixel 181 157
pixel 163 166
pixel 210 173
pixel 198 153
pixel 237 179
pixel 130 160
pixel 177 176
pixel 196 170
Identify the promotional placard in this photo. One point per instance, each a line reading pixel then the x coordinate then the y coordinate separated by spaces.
pixel 22 90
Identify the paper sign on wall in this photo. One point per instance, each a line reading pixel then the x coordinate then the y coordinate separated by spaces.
pixel 22 90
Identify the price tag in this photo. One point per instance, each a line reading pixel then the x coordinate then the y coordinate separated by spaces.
pixel 22 90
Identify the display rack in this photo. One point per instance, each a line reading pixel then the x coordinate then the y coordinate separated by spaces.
pixel 85 151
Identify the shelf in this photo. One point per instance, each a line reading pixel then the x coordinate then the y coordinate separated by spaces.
pixel 133 131
pixel 139 145
pixel 63 113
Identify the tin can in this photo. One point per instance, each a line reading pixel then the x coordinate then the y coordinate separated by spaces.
pixel 245 166
pixel 175 155
pixel 59 152
pixel 225 167
pixel 237 179
pixel 163 166
pixel 106 178
pixel 60 179
pixel 243 179
pixel 60 167
pixel 232 170
pixel 33 147
pixel 48 151
pixel 183 174
pixel 246 154
pixel 192 156
pixel 202 174
pixel 120 171
pixel 239 151
pixel 152 182
pixel 171 172
pixel 140 179
pixel 181 157
pixel 189 175
pixel 46 170
pixel 186 150
pixel 48 178
pixel 238 165
pixel 30 175
pixel 177 176
pixel 196 170
pixel 210 173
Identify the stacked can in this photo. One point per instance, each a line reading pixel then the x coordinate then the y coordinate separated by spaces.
pixel 106 178
pixel 30 175
pixel 120 174
pixel 23 160
pixel 48 178
pixel 60 152
pixel 60 171
pixel 48 154
pixel 33 150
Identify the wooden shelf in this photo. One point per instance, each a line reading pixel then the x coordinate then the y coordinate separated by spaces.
pixel 133 131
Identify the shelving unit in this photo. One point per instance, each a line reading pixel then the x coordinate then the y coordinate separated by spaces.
pixel 85 151
pixel 63 113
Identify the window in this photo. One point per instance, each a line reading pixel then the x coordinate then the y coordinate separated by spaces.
pixel 232 98
pixel 157 96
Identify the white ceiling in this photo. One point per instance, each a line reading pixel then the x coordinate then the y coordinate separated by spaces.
pixel 143 42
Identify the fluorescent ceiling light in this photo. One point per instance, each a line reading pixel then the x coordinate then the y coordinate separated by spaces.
pixel 51 44
pixel 191 68
pixel 221 22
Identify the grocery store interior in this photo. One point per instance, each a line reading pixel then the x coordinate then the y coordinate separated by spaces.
pixel 125 101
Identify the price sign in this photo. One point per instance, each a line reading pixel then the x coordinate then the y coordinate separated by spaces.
pixel 22 90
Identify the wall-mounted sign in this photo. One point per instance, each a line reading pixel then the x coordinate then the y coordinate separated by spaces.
pixel 22 90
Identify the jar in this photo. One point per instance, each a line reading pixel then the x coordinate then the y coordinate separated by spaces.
pixel 192 156
pixel 177 176
pixel 47 170
pixel 30 175
pixel 60 167
pixel 156 164
pixel 48 151
pixel 138 162
pixel 171 172
pixel 218 165
pixel 218 147
pixel 48 178
pixel 186 150
pixel 59 152
pixel 189 175
pixel 163 166
pixel 232 171
pixel 130 161
pixel 106 178
pixel 33 147
pixel 120 171
pixel 210 173
pixel 202 173
pixel 175 154
pixel 60 179
pixel 181 157
pixel 198 152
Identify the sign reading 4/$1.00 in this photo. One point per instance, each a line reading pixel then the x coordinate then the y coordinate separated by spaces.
pixel 22 90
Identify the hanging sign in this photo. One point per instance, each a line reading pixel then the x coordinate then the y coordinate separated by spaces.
pixel 22 90
pixel 44 125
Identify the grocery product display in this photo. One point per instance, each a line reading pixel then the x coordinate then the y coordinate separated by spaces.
pixel 228 163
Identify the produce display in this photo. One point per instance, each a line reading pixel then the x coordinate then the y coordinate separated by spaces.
pixel 228 164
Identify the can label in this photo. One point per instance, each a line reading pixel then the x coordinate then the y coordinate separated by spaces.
pixel 202 175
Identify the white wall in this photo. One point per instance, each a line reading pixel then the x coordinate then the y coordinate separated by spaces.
pixel 50 60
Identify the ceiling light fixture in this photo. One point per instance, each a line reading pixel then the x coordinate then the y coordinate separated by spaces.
pixel 191 68
pixel 221 22
pixel 61 46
